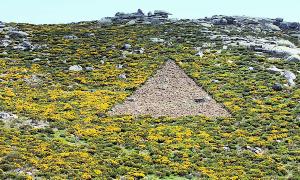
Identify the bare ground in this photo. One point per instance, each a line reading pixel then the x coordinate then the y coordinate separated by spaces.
pixel 170 92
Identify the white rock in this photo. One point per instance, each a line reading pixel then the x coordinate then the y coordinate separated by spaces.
pixel 290 76
pixel 132 22
pixel 272 27
pixel 294 58
pixel 122 76
pixel 75 68
pixel 200 53
pixel 274 69
pixel 5 115
pixel 207 25
pixel 283 42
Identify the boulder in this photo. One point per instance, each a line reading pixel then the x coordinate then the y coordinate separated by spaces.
pixel 140 12
pixel 277 87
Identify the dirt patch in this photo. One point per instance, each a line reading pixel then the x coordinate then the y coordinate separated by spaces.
pixel 170 92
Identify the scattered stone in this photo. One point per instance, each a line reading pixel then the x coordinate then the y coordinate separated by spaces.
pixel 5 115
pixel 33 80
pixel 5 42
pixel 200 53
pixel 89 68
pixel 226 148
pixel 71 37
pixel 122 76
pixel 119 66
pixel 251 68
pixel 140 51
pixel 256 150
pixel 75 68
pixel 126 46
pixel 157 40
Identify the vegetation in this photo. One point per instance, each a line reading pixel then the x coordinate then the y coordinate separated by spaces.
pixel 260 140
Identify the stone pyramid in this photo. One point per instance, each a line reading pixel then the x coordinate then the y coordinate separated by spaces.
pixel 170 92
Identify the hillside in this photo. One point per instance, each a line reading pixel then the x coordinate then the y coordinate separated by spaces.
pixel 60 82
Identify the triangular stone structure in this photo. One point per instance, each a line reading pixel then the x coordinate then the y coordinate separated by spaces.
pixel 170 92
